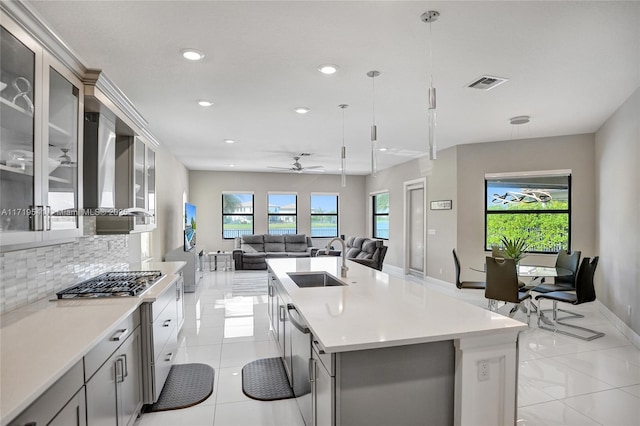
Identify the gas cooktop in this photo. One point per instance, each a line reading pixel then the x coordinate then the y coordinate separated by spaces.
pixel 112 284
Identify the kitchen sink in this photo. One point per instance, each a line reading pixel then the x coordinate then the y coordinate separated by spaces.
pixel 314 279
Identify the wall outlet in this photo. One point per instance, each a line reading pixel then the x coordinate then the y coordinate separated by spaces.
pixel 483 371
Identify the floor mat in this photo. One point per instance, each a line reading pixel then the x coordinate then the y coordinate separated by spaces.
pixel 266 380
pixel 186 385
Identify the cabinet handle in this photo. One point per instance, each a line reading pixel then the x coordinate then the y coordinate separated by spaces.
pixel 312 370
pixel 36 221
pixel 47 217
pixel 118 336
pixel 166 323
pixel 282 318
pixel 169 357
pixel 126 366
pixel 31 424
pixel 177 293
pixel 271 291
pixel 119 370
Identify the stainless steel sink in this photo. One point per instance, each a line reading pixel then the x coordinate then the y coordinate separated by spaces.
pixel 314 279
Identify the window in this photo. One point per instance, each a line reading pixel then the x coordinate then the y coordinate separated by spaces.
pixel 324 215
pixel 282 213
pixel 536 206
pixel 237 214
pixel 381 215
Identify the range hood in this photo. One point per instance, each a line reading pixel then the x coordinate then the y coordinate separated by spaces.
pixel 106 194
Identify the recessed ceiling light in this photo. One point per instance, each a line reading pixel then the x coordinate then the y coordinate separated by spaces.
pixel 328 69
pixel 192 54
pixel 301 110
pixel 205 103
pixel 229 141
pixel 382 149
pixel 232 165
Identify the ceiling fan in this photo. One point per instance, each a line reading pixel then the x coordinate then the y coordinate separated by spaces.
pixel 297 167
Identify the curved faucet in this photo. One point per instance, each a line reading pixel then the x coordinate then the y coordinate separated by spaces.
pixel 343 268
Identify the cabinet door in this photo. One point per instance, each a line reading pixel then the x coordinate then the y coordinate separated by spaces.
pixel 323 395
pixel 282 319
pixel 101 395
pixel 61 158
pixel 73 414
pixel 129 390
pixel 20 68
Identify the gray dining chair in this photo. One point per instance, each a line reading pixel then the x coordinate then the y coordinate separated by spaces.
pixel 569 261
pixel 584 292
pixel 475 285
pixel 503 285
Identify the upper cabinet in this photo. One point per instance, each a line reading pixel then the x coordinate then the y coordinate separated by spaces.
pixel 41 106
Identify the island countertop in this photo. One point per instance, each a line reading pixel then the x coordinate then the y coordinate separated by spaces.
pixel 376 310
pixel 41 341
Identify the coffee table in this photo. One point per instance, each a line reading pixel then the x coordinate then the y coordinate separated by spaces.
pixel 213 260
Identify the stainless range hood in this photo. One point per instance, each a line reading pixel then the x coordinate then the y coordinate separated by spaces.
pixel 106 193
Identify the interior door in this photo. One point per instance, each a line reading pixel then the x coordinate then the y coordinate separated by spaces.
pixel 415 227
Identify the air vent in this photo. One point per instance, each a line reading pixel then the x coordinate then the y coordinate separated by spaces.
pixel 486 82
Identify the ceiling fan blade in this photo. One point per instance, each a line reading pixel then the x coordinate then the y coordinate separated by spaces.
pixel 280 168
pixel 314 167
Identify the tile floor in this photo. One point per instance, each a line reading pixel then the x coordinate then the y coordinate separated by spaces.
pixel 562 380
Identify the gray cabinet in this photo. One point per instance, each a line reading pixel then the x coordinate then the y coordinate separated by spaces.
pixel 63 404
pixel 114 390
pixel 322 392
pixel 41 104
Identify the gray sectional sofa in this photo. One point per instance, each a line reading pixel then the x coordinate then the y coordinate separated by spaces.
pixel 251 251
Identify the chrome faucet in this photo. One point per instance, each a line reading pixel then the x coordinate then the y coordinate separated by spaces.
pixel 343 268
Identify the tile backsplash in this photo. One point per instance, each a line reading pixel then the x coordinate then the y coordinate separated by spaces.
pixel 32 274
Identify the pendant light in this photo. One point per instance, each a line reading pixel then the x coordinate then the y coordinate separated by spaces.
pixel 429 17
pixel 343 152
pixel 374 129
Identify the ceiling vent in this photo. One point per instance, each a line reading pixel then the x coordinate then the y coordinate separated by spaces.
pixel 486 82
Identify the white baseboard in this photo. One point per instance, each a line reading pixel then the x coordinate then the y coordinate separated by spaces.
pixel 619 324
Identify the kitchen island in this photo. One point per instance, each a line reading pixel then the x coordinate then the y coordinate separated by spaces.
pixel 41 342
pixel 430 344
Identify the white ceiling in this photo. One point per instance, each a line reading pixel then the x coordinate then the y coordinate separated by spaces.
pixel 569 65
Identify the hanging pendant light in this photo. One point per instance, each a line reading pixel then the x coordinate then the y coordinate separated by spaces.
pixel 374 129
pixel 343 152
pixel 429 17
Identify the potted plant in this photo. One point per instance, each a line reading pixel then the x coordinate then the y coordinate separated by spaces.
pixel 514 248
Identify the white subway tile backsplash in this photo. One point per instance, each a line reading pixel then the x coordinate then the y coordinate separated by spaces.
pixel 32 274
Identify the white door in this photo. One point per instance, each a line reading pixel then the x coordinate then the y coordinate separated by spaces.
pixel 415 227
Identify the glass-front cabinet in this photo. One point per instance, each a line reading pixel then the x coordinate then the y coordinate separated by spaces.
pixel 41 103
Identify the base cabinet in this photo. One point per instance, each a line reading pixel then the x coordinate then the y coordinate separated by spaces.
pixel 114 393
pixel 322 393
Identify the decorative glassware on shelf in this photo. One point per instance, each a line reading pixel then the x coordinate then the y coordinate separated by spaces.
pixel 514 248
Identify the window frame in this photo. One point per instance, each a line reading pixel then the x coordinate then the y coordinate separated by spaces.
pixel 375 214
pixel 336 214
pixel 251 215
pixel 520 175
pixel 294 215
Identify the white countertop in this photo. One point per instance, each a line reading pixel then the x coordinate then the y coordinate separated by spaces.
pixel 41 341
pixel 375 310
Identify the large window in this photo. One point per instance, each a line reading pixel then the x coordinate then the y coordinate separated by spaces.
pixel 381 215
pixel 536 207
pixel 324 215
pixel 282 213
pixel 237 214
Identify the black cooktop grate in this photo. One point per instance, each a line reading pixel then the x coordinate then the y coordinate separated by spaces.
pixel 112 284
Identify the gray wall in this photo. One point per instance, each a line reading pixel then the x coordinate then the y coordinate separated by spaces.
pixel 574 152
pixel 206 187
pixel 618 212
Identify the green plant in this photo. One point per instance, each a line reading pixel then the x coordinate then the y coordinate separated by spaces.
pixel 514 248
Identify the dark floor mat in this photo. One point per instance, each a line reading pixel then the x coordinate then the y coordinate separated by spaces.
pixel 186 385
pixel 266 380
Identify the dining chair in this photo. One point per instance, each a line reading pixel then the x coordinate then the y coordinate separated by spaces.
pixel 564 260
pixel 503 285
pixel 584 293
pixel 475 285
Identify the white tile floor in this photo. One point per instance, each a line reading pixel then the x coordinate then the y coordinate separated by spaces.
pixel 562 380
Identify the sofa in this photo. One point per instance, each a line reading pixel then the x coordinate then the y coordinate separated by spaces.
pixel 362 250
pixel 252 251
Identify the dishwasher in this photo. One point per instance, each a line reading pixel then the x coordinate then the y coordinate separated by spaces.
pixel 300 355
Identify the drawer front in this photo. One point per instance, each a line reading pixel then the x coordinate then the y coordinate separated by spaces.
pixel 45 408
pixel 164 361
pixel 103 350
pixel 164 300
pixel 164 326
